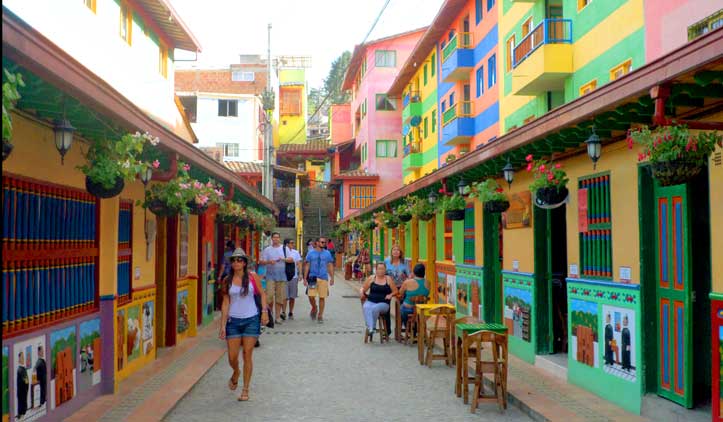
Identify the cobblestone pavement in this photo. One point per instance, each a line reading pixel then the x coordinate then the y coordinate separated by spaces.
pixel 305 371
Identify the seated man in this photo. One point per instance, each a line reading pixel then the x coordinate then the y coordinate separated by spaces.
pixel 413 287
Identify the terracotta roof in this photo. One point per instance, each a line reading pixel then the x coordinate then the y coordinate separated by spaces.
pixel 257 167
pixel 219 81
pixel 445 16
pixel 356 174
pixel 358 55
pixel 168 21
pixel 312 146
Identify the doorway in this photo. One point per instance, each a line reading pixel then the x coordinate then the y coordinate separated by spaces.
pixel 492 276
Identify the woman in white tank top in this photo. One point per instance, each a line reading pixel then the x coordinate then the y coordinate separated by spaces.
pixel 240 319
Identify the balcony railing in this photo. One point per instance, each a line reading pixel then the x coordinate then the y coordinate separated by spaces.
pixel 461 109
pixel 411 96
pixel 549 31
pixel 461 40
pixel 412 148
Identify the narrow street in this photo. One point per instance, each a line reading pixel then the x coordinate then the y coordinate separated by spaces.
pixel 307 371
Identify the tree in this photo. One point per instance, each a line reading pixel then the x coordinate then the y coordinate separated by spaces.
pixel 316 95
pixel 335 79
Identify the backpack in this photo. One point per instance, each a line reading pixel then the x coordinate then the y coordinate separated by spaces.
pixel 290 268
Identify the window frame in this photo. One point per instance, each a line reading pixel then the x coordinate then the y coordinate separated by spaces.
pixel 626 67
pixel 390 101
pixel 479 79
pixel 92 5
pixel 434 120
pixel 125 250
pixel 386 143
pixel 227 108
pixel 490 4
pixel 163 60
pixel 509 53
pixel 243 73
pixel 592 85
pixel 581 4
pixel 425 76
pixel 426 126
pixel 599 219
pixel 491 71
pixel 364 200
pixel 433 63
pixel 385 54
pixel 225 148
pixel 128 20
pixel 478 11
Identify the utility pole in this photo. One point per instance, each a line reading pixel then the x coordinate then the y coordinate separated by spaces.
pixel 267 184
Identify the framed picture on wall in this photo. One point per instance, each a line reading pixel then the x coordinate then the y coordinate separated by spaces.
pixel 519 215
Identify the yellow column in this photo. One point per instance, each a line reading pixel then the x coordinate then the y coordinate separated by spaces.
pixel 108 249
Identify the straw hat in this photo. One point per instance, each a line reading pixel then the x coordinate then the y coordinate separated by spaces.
pixel 238 253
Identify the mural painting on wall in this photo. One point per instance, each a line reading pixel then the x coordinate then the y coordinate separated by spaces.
pixel 6 384
pixel 518 312
pixel 519 214
pixel 442 288
pixel 475 306
pixel 584 323
pixel 463 304
pixel 133 334
pixel 63 344
pixel 120 340
pixel 210 275
pixel 90 353
pixel 183 312
pixel 31 379
pixel 619 333
pixel 147 335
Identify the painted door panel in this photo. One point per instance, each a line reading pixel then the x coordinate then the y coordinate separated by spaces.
pixel 673 294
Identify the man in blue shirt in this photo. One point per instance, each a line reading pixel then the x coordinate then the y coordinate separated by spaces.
pixel 318 276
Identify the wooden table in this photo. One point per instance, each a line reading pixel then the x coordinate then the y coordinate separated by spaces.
pixel 423 312
pixel 462 331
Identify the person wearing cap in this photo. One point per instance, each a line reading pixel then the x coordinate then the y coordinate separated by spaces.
pixel 241 317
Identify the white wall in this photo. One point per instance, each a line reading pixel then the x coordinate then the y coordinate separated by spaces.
pixel 94 40
pixel 210 128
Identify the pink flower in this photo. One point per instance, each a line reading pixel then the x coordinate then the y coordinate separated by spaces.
pixel 186 167
pixel 641 156
pixel 219 192
pixel 557 166
pixel 209 184
pixel 542 167
pixel 156 164
pixel 550 176
pixel 197 184
pixel 184 185
pixel 629 140
pixel 529 167
pixel 529 157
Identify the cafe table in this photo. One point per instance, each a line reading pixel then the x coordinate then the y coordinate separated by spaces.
pixel 423 310
pixel 462 331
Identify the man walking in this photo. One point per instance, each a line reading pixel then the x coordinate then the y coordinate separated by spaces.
pixel 273 258
pixel 318 276
pixel 292 292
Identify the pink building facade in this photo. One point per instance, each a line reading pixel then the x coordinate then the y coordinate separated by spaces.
pixel 668 23
pixel 375 120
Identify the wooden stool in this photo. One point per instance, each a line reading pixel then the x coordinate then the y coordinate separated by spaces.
pixel 383 331
pixel 497 366
pixel 410 327
pixel 440 327
pixel 464 354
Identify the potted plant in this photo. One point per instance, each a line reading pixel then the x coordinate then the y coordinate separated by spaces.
pixel 370 224
pixel 421 208
pixel 676 154
pixel 453 206
pixel 550 184
pixel 204 195
pixel 10 98
pixel 403 211
pixel 230 212
pixel 492 195
pixel 112 163
pixel 388 219
pixel 450 158
pixel 171 198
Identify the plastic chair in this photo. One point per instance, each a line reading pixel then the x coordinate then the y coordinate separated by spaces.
pixel 497 366
pixel 439 325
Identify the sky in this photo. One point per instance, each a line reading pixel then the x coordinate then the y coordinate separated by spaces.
pixel 322 29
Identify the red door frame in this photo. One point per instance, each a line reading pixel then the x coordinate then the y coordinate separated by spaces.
pixel 171 279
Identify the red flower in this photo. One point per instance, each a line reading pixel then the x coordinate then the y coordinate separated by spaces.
pixel 542 167
pixel 529 157
pixel 641 156
pixel 557 166
pixel 550 176
pixel 529 167
pixel 500 190
pixel 629 140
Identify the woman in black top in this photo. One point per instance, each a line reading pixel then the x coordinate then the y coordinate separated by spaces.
pixel 381 289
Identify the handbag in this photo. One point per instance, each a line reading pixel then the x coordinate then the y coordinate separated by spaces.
pixel 257 301
pixel 290 268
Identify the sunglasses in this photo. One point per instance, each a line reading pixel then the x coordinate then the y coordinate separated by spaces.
pixel 236 259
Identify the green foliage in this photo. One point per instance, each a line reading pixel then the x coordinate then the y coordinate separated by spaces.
pixel 110 160
pixel 232 212
pixel 488 191
pixel 61 344
pixel 546 174
pixel 419 207
pixel 450 158
pixel 585 319
pixel 511 301
pixel 181 190
pixel 335 79
pixel 387 219
pixel 454 202
pixel 675 142
pixel 268 98
pixel 10 98
pixel 87 340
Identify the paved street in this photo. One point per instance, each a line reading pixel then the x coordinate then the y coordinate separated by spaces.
pixel 306 371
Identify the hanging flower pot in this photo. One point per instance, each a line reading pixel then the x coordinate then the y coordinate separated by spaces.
pixel 669 173
pixel 550 197
pixel 242 223
pixel 196 209
pixel 454 215
pixel 405 217
pixel 161 209
pixel 7 149
pixel 97 189
pixel 426 216
pixel 392 224
pixel 496 207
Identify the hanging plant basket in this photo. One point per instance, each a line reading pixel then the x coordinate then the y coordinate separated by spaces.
pixel 196 209
pixel 426 217
pixel 159 208
pixel 392 224
pixel 7 149
pixel 550 197
pixel 405 217
pixel 228 219
pixel 454 215
pixel 496 207
pixel 100 191
pixel 669 173
pixel 242 223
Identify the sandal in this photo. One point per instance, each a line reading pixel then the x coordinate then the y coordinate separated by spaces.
pixel 244 395
pixel 232 385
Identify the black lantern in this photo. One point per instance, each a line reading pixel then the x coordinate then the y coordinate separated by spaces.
pixel 432 198
pixel 63 131
pixel 146 176
pixel 594 147
pixel 509 173
pixel 462 187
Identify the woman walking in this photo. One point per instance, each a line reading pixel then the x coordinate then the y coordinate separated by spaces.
pixel 241 318
pixel 381 289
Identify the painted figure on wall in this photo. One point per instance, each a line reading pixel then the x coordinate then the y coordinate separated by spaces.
pixel 148 327
pixel 90 342
pixel 31 377
pixel 626 344
pixel 22 384
pixel 610 345
pixel 41 372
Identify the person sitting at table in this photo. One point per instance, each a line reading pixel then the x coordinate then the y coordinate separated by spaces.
pixel 413 287
pixel 381 289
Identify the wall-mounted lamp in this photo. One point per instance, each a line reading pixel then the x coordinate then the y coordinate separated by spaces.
pixel 63 131
pixel 594 147
pixel 509 173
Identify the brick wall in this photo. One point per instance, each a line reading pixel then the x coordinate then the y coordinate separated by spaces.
pixel 219 80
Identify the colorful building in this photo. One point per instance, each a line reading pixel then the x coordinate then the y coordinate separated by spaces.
pixel 95 286
pixel 620 281
pixel 376 121
pixel 292 111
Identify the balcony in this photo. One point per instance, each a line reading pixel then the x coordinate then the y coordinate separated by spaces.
pixel 412 108
pixel 411 96
pixel 458 58
pixel 543 59
pixel 413 159
pixel 458 124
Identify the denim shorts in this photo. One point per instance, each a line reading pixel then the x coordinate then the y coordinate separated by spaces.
pixel 243 327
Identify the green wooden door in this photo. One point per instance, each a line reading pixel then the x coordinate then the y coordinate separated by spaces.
pixel 673 294
pixel 492 288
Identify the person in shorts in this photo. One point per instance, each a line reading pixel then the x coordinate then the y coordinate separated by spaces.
pixel 273 258
pixel 292 291
pixel 318 276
